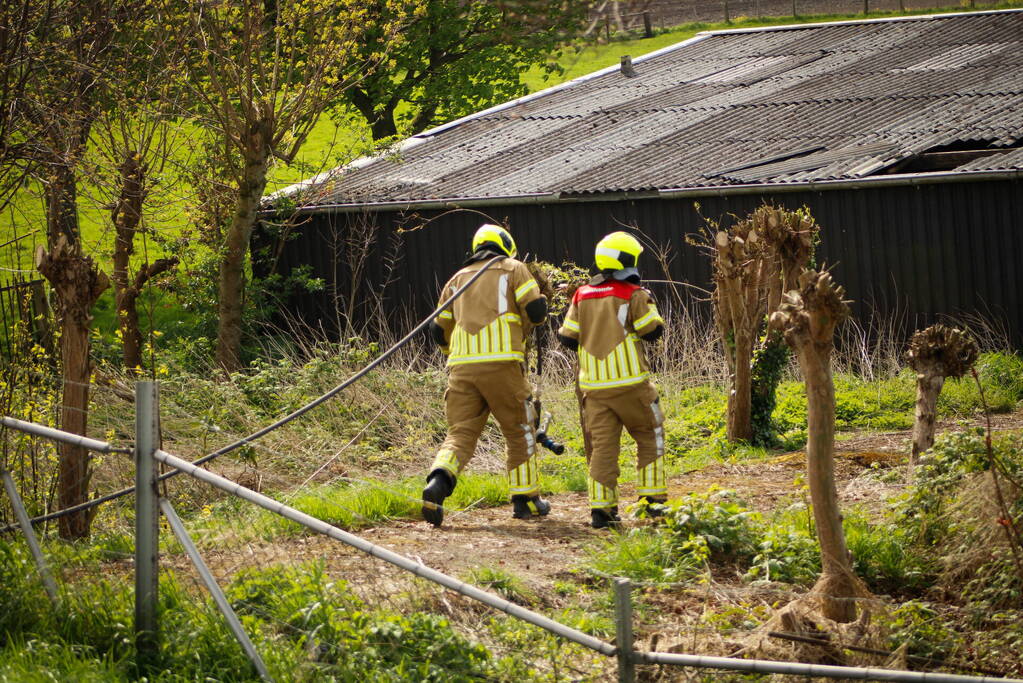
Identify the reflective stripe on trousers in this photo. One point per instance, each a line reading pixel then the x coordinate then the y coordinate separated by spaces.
pixel 651 479
pixel 524 480
pixel 602 496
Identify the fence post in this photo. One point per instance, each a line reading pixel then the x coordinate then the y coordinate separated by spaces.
pixel 728 18
pixel 30 536
pixel 623 631
pixel 648 27
pixel 147 529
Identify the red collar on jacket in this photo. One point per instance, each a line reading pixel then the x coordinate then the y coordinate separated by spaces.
pixel 622 290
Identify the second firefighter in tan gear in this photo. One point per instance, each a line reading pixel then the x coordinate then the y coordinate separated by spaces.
pixel 483 335
pixel 606 324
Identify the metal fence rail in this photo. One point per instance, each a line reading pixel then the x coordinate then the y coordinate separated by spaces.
pixel 386 555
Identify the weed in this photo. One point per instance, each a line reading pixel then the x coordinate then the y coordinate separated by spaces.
pixel 884 557
pixel 786 555
pixel 727 527
pixel 647 555
pixel 503 583
pixel 918 626
pixel 742 617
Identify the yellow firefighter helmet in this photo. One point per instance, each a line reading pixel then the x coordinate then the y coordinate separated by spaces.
pixel 618 251
pixel 496 235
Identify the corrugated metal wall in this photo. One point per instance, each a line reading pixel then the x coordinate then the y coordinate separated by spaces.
pixel 913 252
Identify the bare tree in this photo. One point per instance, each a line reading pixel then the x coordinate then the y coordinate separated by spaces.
pixel 132 141
pixel 935 353
pixel 262 75
pixel 807 318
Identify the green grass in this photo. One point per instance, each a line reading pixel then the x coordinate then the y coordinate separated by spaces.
pixel 582 59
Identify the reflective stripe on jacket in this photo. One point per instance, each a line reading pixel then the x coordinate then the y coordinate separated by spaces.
pixel 607 317
pixel 485 324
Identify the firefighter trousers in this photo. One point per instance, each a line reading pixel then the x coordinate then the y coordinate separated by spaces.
pixel 475 391
pixel 638 410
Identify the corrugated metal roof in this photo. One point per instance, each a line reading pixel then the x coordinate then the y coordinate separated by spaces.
pixel 862 96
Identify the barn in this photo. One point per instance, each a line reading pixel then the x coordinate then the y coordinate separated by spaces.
pixel 904 138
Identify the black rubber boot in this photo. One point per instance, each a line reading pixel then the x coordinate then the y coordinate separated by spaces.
pixel 524 507
pixel 652 507
pixel 605 518
pixel 439 485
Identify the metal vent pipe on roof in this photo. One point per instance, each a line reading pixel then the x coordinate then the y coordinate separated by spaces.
pixel 626 68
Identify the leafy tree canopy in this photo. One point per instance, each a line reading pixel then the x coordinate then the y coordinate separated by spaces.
pixel 456 57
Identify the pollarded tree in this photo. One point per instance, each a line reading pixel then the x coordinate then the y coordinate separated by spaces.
pixel 456 57
pixel 132 142
pixel 260 76
pixel 935 353
pixel 790 237
pixel 740 273
pixel 754 261
pixel 807 318
pixel 71 47
pixel 78 64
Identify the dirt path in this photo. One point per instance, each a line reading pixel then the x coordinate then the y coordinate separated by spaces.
pixel 543 551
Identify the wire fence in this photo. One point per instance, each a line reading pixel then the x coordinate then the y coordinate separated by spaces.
pixel 293 581
pixel 643 16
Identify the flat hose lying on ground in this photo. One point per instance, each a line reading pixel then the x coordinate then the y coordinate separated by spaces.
pixel 287 418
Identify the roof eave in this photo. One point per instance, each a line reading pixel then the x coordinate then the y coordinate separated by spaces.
pixel 903 179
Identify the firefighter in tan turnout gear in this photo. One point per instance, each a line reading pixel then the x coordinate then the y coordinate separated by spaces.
pixel 482 334
pixel 604 325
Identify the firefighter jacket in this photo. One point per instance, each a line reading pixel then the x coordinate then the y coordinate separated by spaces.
pixel 488 322
pixel 606 319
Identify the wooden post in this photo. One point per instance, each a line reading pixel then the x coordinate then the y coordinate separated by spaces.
pixel 728 18
pixel 648 29
pixel 866 6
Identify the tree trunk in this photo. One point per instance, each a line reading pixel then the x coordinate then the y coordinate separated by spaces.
pixel 381 121
pixel 126 216
pixel 232 264
pixel 928 387
pixel 739 400
pixel 808 318
pixel 837 580
pixel 76 284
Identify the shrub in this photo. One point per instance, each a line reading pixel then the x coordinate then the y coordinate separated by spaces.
pixel 727 527
pixel 786 555
pixel 917 625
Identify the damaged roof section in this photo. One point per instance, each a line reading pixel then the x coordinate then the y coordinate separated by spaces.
pixel 770 106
